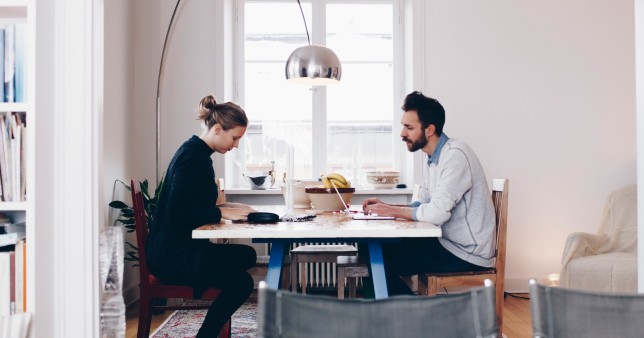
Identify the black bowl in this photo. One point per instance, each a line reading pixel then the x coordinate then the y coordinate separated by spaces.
pixel 263 217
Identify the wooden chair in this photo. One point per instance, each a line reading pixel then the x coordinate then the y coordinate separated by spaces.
pixel 429 283
pixel 352 268
pixel 316 253
pixel 457 315
pixel 151 287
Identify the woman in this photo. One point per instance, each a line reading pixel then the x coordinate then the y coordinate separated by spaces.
pixel 187 201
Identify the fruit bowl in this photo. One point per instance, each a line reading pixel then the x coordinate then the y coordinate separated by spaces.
pixel 383 179
pixel 326 199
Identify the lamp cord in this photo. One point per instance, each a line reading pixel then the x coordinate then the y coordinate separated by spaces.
pixel 304 19
pixel 158 112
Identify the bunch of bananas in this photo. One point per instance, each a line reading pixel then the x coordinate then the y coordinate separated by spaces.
pixel 329 180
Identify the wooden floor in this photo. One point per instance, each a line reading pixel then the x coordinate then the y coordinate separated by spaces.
pixel 516 318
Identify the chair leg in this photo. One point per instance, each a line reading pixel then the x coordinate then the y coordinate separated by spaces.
pixel 500 300
pixel 431 285
pixel 352 287
pixel 303 272
pixel 294 268
pixel 341 283
pixel 145 317
pixel 226 330
pixel 286 275
pixel 422 285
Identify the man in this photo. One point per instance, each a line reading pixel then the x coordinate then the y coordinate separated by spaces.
pixel 454 195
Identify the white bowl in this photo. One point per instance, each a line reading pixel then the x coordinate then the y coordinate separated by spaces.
pixel 300 198
pixel 383 179
pixel 327 199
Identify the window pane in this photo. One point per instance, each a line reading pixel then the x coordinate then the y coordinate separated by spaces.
pixel 360 116
pixel 279 112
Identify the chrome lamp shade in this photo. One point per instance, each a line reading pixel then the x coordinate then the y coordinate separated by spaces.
pixel 313 65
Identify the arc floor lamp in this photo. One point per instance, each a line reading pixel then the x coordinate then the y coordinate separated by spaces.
pixel 314 65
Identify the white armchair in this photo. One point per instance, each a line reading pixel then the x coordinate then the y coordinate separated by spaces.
pixel 606 261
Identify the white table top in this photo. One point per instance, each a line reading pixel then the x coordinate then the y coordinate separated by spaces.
pixel 325 225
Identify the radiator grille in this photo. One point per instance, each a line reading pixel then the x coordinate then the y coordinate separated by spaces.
pixel 318 275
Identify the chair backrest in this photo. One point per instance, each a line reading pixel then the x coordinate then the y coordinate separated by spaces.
pixel 141 229
pixel 564 312
pixel 500 188
pixel 287 314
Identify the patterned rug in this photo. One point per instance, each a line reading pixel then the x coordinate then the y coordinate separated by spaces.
pixel 186 323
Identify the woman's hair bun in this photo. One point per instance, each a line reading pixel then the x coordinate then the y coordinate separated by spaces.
pixel 208 102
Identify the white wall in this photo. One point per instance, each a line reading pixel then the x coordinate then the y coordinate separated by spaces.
pixel 119 128
pixel 544 92
pixel 189 72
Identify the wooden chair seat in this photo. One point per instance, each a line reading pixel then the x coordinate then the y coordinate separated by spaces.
pixel 321 253
pixel 429 283
pixel 350 267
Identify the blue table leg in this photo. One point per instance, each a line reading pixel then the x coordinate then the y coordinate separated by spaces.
pixel 377 269
pixel 275 265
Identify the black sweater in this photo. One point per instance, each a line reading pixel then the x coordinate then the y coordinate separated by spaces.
pixel 187 201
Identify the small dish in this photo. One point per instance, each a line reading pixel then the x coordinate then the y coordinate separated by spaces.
pixel 263 217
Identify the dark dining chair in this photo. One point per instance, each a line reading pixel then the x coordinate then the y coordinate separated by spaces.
pixel 287 314
pixel 565 312
pixel 151 288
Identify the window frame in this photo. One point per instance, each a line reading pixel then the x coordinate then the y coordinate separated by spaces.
pixel 319 94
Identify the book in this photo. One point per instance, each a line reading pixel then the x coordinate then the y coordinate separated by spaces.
pixel 2 63
pixel 9 62
pixel 5 284
pixel 16 326
pixel 12 282
pixel 5 161
pixel 11 239
pixel 19 76
pixel 20 282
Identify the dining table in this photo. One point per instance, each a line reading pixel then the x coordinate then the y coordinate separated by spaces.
pixel 298 226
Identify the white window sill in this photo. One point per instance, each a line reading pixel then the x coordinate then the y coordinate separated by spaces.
pixel 278 191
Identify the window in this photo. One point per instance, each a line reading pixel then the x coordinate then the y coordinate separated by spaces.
pixel 351 127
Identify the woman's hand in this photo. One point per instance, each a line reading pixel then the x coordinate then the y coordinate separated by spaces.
pixel 235 211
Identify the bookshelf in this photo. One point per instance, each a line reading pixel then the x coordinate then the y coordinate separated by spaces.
pixel 17 25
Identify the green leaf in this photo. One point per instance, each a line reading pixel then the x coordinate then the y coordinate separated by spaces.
pixel 131 246
pixel 126 221
pixel 118 205
pixel 127 212
pixel 127 186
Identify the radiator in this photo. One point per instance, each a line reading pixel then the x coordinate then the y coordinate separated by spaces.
pixel 318 275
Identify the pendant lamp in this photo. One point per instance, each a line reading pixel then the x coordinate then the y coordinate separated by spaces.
pixel 313 64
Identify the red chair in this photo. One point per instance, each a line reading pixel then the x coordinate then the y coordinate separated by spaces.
pixel 151 287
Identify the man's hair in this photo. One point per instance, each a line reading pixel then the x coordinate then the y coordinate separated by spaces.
pixel 429 110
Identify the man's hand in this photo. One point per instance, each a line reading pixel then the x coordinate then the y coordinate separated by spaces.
pixel 375 206
pixel 370 201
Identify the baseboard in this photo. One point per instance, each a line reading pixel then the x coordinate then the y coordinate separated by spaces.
pixel 517 285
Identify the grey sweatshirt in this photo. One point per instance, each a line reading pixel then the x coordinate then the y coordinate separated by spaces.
pixel 455 196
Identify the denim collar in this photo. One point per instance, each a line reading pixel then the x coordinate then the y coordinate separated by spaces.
pixel 437 151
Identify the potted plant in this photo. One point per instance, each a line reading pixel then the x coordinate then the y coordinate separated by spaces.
pixel 126 214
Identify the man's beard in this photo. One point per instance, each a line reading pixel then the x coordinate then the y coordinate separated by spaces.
pixel 418 144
